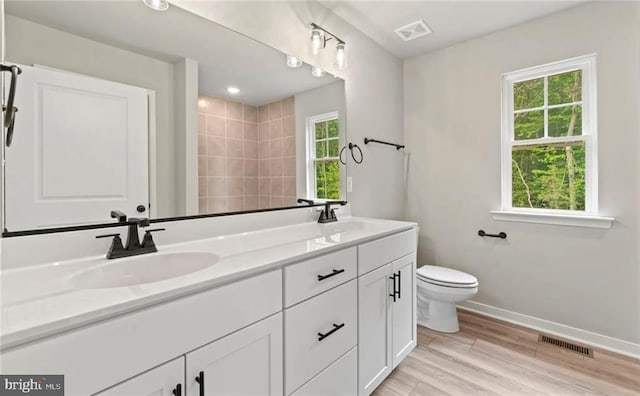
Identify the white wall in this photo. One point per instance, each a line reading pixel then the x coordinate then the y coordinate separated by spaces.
pixel 30 43
pixel 373 84
pixel 185 112
pixel 585 278
pixel 311 103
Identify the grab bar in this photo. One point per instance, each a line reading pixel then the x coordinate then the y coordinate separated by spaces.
pixel 501 235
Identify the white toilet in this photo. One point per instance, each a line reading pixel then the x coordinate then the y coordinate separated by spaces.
pixel 439 289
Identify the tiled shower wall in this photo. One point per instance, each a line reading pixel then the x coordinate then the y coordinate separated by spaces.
pixel 246 155
pixel 227 156
pixel 277 154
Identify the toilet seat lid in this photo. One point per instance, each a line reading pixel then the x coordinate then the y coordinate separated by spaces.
pixel 446 275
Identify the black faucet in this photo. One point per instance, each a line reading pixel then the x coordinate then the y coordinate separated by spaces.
pixel 307 201
pixel 116 214
pixel 328 215
pixel 133 246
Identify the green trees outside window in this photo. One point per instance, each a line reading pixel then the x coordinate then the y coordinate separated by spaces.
pixel 326 162
pixel 548 174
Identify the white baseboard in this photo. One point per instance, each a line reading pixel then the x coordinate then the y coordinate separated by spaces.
pixel 586 337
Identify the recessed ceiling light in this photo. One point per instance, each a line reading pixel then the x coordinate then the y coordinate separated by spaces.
pixel 158 5
pixel 233 90
pixel 292 61
pixel 413 30
pixel 317 72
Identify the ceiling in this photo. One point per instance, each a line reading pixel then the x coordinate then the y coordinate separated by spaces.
pixel 451 21
pixel 225 57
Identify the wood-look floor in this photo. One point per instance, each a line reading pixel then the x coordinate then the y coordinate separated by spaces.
pixel 491 357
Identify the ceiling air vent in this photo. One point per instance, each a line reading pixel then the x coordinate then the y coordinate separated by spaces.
pixel 413 30
pixel 570 346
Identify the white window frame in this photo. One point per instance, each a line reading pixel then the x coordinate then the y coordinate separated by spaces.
pixel 311 151
pixel 590 217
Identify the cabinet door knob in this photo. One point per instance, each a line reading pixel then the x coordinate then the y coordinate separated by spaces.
pixel 200 380
pixel 177 391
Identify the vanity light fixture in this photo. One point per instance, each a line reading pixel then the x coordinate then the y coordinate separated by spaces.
pixel 158 5
pixel 319 38
pixel 317 72
pixel 233 90
pixel 341 56
pixel 292 61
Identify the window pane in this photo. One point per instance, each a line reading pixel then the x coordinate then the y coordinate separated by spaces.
pixel 328 180
pixel 565 121
pixel 549 177
pixel 528 125
pixel 528 94
pixel 321 149
pixel 320 181
pixel 565 87
pixel 334 147
pixel 321 130
pixel 333 128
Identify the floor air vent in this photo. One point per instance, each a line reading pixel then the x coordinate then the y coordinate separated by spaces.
pixel 582 350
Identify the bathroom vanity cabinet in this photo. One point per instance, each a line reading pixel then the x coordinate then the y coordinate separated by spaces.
pixel 333 324
pixel 387 308
pixel 246 362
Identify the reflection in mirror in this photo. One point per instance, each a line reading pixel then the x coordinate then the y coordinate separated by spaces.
pixel 159 114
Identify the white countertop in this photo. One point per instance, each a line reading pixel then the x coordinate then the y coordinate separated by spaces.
pixel 40 301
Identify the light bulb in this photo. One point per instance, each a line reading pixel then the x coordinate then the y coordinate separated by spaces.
pixel 317 40
pixel 341 56
pixel 158 5
pixel 317 72
pixel 292 61
pixel 233 90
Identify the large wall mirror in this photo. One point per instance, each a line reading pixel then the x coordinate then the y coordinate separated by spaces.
pixel 159 114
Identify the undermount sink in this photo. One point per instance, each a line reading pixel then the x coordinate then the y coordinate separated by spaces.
pixel 143 269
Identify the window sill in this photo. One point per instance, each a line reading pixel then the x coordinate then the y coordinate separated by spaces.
pixel 589 221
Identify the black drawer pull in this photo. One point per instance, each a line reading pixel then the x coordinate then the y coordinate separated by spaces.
pixel 399 284
pixel 200 380
pixel 177 391
pixel 334 273
pixel 336 327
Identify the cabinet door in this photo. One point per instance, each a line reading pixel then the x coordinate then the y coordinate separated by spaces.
pixel 374 335
pixel 403 310
pixel 245 363
pixel 160 381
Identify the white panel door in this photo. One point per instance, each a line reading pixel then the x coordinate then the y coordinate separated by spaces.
pixel 80 150
pixel 403 311
pixel 165 380
pixel 374 329
pixel 246 363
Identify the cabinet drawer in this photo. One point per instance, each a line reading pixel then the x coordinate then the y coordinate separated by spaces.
pixel 312 277
pixel 339 379
pixel 382 251
pixel 332 314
